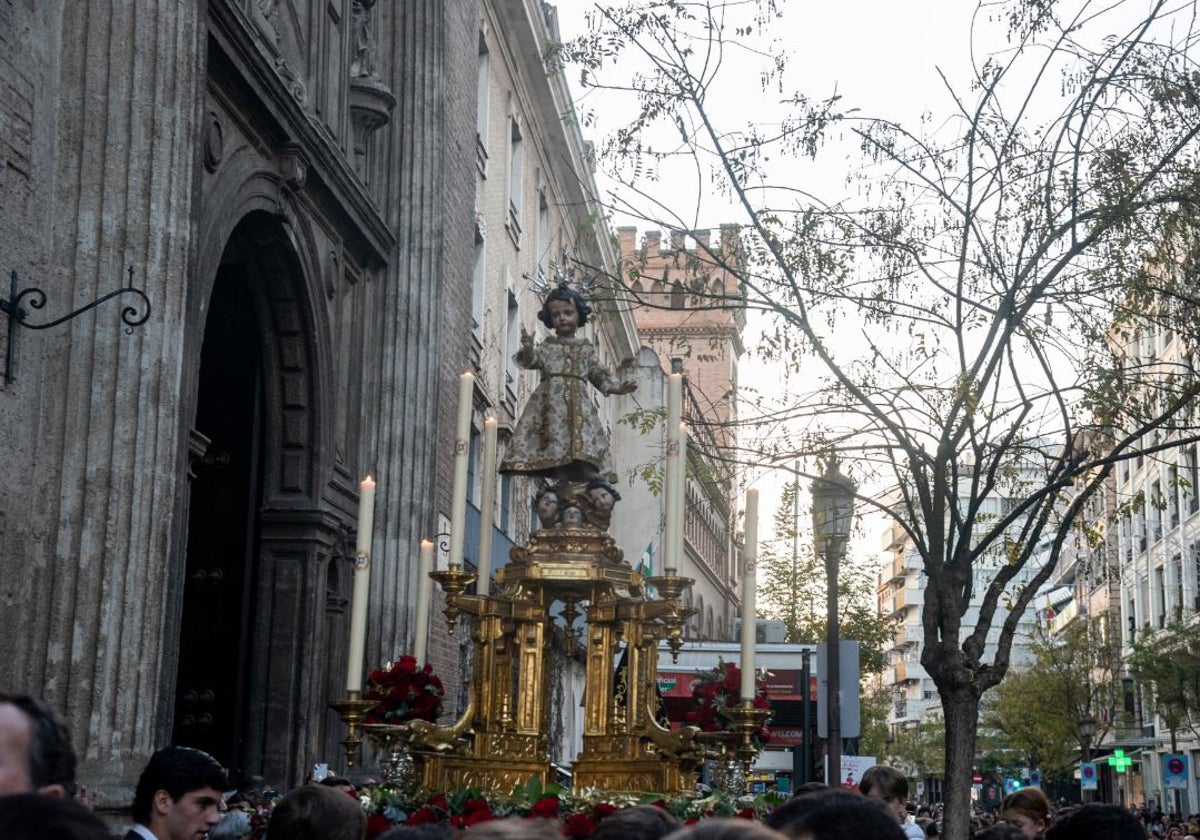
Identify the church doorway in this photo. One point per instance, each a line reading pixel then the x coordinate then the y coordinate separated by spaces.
pixel 223 521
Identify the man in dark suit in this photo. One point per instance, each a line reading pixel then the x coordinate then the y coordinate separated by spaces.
pixel 179 796
pixel 36 755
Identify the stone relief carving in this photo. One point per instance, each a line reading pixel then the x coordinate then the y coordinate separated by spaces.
pixel 295 84
pixel 362 61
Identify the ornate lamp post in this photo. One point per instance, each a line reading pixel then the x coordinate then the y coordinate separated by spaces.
pixel 1087 728
pixel 833 513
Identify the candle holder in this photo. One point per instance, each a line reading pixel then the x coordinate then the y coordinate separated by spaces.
pixel 454 581
pixel 671 586
pixel 747 720
pixel 352 710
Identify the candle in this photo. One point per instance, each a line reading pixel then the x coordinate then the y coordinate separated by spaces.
pixel 749 618
pixel 672 485
pixel 424 594
pixel 462 451
pixel 487 505
pixel 362 580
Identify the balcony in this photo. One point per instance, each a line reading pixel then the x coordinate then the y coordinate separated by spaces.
pixel 899 600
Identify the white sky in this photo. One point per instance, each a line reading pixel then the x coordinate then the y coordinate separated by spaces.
pixel 882 56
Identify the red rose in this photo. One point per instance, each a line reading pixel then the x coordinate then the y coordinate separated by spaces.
pixel 578 825
pixel 377 824
pixel 660 803
pixel 546 807
pixel 423 815
pixel 692 821
pixel 473 817
pixel 439 801
pixel 605 809
pixel 478 804
pixel 746 814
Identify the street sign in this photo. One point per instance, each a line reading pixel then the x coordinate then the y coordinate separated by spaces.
pixel 1175 771
pixel 1087 776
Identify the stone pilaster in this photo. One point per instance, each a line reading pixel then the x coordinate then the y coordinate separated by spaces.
pixel 101 570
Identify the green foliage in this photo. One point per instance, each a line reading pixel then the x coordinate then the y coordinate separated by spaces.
pixel 1037 708
pixel 1167 662
pixel 968 325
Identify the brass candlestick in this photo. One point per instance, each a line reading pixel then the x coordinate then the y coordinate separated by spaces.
pixel 352 710
pixel 671 587
pixel 454 582
pixel 747 720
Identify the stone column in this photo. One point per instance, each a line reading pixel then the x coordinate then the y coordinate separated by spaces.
pixel 101 534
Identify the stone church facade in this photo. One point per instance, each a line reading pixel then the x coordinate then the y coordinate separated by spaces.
pixel 291 182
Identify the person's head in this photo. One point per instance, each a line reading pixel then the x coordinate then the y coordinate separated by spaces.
pixel 888 785
pixel 1028 809
pixel 1095 820
pixel 1003 831
pixel 845 817
pixel 36 755
pixel 513 828
pixel 32 816
pixel 805 788
pixel 790 813
pixel 179 794
pixel 603 495
pixel 546 505
pixel 337 783
pixel 641 822
pixel 564 301
pixel 316 812
pixel 1175 832
pixel 572 517
pixel 424 831
pixel 725 828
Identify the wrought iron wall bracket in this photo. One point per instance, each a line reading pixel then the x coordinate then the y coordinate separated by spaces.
pixel 14 307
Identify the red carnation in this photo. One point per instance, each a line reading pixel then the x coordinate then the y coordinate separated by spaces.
pixel 578 825
pixel 546 807
pixel 422 815
pixel 439 801
pixel 377 824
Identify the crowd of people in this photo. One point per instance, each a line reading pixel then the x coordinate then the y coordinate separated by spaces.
pixel 181 795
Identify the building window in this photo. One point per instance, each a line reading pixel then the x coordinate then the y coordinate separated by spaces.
pixel 543 238
pixel 506 499
pixel 483 107
pixel 1193 479
pixel 479 277
pixel 512 337
pixel 1160 597
pixel 1172 497
pixel 516 179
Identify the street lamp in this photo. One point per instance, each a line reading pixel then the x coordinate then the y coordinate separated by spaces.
pixel 1087 728
pixel 833 512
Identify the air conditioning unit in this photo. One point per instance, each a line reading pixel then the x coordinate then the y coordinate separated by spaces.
pixel 767 631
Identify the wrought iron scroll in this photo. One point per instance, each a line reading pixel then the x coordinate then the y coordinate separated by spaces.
pixel 14 307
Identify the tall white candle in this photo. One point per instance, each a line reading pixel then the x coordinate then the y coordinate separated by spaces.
pixel 749 591
pixel 487 505
pixel 672 485
pixel 462 452
pixel 362 581
pixel 424 594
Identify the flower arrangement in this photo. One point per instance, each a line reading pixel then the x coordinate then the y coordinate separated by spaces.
pixel 717 691
pixel 404 692
pixel 577 814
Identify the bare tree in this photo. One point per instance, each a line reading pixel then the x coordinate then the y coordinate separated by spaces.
pixel 977 314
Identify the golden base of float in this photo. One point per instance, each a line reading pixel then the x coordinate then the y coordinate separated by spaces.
pixel 500 741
